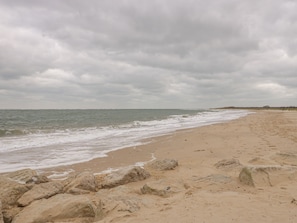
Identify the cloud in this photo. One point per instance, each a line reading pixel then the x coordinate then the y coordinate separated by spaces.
pixel 157 54
pixel 276 89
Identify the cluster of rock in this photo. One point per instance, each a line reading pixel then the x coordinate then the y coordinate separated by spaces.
pixel 26 197
pixel 261 175
pixel 269 175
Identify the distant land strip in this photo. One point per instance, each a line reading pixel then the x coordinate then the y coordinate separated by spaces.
pixel 266 107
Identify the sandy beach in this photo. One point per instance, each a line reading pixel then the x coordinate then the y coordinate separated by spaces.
pixel 205 186
pixel 206 193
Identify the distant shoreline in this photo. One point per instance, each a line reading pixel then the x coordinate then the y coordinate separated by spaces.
pixel 261 108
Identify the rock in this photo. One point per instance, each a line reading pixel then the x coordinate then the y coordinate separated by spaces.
pixel 269 175
pixel 159 192
pixel 1 215
pixel 22 176
pixel 123 176
pixel 11 191
pixel 40 191
pixel 82 184
pixel 163 187
pixel 246 178
pixel 228 164
pixel 61 208
pixel 166 164
pixel 121 201
pixel 255 176
pixel 27 176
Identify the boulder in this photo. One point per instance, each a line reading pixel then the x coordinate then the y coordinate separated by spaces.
pixel 166 164
pixel 22 176
pixel 123 176
pixel 11 191
pixel 61 208
pixel 1 215
pixel 81 184
pixel 40 191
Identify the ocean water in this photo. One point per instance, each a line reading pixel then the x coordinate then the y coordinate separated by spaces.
pixel 46 138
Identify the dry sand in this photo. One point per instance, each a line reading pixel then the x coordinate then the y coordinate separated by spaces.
pixel 201 192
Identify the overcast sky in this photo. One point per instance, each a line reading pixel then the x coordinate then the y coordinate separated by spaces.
pixel 147 53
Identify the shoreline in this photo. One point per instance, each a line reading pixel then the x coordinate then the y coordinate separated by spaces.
pixel 244 170
pixel 54 149
pixel 127 156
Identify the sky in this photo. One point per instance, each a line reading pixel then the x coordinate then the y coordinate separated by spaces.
pixel 98 54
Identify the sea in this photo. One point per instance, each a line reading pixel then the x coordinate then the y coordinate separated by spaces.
pixel 39 139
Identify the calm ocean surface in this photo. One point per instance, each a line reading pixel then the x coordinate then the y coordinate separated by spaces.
pixel 46 138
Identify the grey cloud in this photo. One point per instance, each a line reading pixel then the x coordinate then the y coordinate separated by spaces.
pixel 150 54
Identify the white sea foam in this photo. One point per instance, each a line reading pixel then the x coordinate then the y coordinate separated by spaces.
pixel 62 147
pixel 60 175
